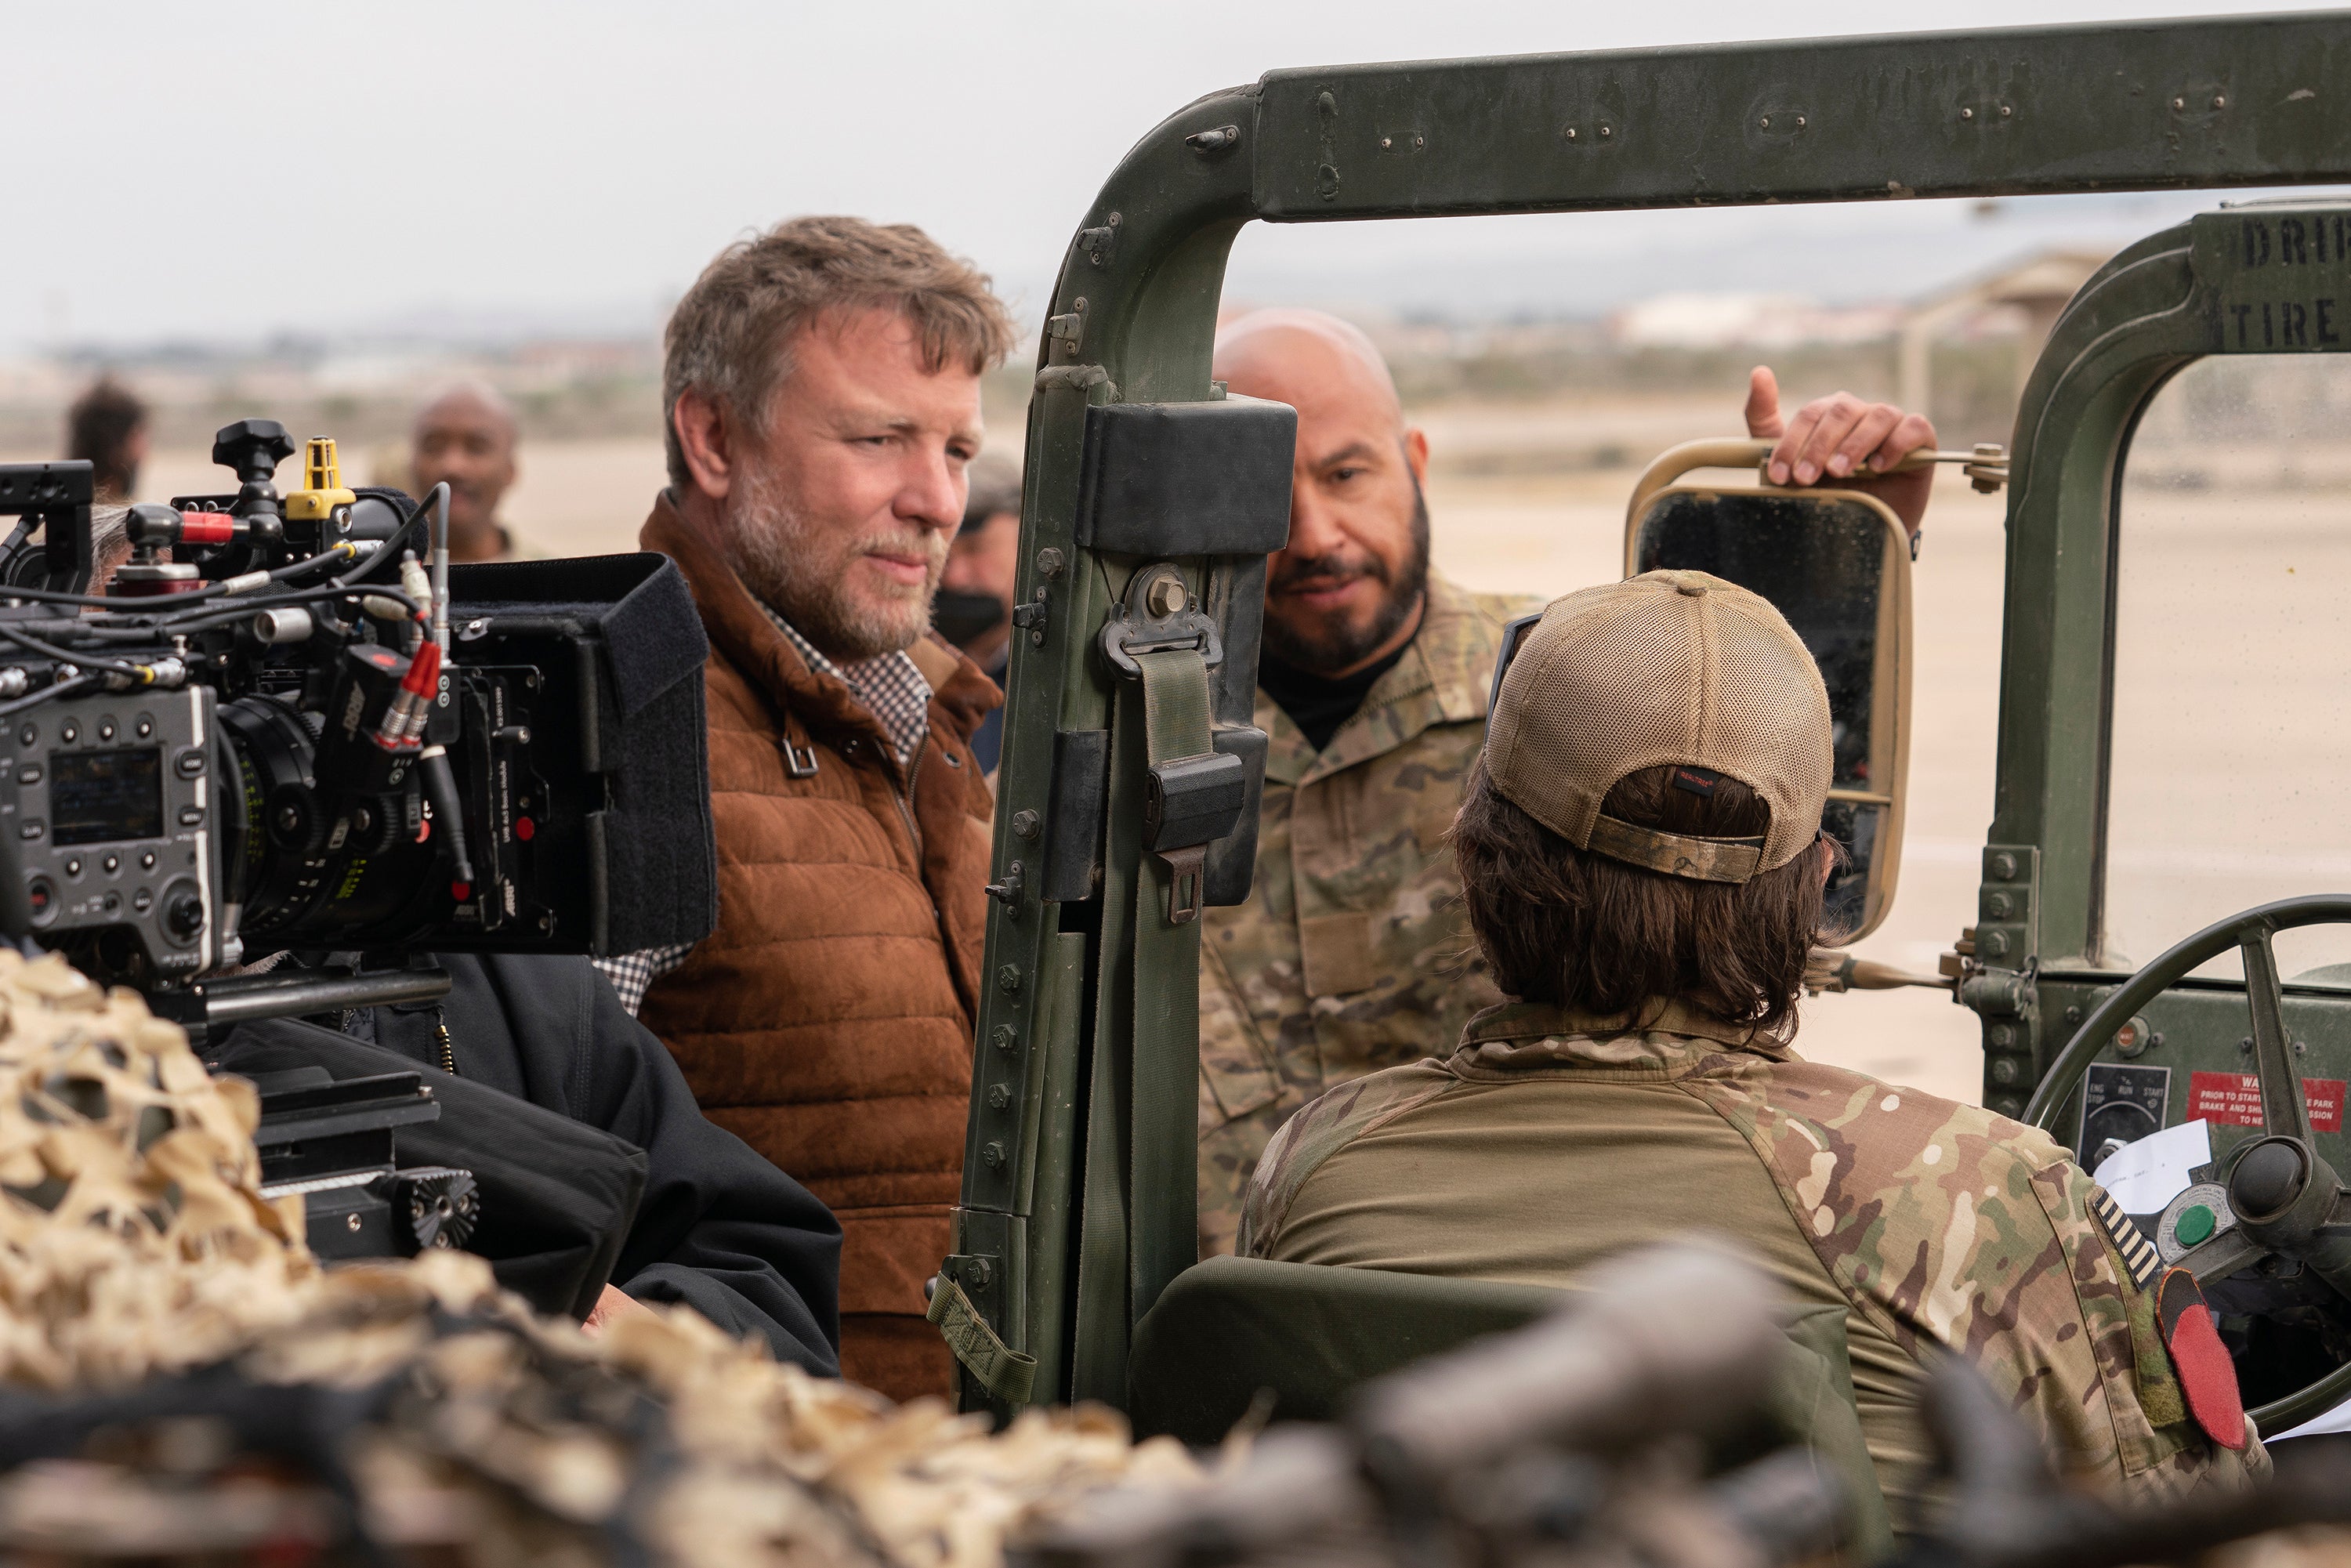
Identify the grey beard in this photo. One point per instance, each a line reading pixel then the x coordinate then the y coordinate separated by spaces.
pixel 770 549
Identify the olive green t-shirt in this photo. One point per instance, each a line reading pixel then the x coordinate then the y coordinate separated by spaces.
pixel 1597 1169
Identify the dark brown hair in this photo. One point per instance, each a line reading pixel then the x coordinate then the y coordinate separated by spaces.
pixel 729 336
pixel 98 428
pixel 1575 929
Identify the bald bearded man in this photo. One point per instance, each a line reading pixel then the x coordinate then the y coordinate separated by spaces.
pixel 466 436
pixel 1352 954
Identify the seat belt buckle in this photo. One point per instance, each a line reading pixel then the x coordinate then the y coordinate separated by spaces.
pixel 1188 804
pixel 1186 868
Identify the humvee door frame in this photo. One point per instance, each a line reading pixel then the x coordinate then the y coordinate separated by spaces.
pixel 1077 1198
pixel 2038 968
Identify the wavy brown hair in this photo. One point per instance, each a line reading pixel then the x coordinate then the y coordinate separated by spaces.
pixel 730 336
pixel 1580 930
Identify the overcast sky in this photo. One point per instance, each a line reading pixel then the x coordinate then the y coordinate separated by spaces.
pixel 226 170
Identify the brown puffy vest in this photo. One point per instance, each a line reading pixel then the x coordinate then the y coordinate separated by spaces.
pixel 828 1020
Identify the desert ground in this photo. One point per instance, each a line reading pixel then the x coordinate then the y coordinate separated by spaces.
pixel 2232 756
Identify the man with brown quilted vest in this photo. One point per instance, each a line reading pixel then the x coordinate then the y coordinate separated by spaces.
pixel 823 389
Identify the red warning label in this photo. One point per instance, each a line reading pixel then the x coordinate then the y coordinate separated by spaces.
pixel 2234 1100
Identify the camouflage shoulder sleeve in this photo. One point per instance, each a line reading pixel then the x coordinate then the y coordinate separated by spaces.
pixel 1322 1128
pixel 1949 1226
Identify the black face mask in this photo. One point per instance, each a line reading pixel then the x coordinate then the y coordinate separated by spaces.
pixel 960 617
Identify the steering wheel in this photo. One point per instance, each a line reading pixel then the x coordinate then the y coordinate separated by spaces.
pixel 2285 1201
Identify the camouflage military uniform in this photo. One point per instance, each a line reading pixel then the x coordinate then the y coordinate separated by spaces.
pixel 1351 954
pixel 1550 1139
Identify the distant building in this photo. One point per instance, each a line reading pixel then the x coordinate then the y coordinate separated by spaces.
pixel 1748 321
pixel 2027 296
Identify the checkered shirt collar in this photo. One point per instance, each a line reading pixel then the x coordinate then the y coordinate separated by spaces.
pixel 890 687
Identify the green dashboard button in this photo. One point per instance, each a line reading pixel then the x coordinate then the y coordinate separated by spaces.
pixel 2196 1224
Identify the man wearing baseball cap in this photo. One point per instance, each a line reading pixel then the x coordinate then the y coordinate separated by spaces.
pixel 1642 864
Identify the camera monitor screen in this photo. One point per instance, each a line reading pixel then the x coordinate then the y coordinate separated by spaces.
pixel 96 797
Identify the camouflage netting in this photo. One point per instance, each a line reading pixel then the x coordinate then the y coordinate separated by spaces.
pixel 179 1377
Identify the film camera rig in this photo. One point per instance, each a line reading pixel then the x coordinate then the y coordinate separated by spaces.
pixel 275 729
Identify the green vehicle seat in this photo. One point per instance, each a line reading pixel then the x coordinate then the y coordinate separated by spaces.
pixel 1229 1328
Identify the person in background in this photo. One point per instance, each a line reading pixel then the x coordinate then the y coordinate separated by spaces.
pixel 973 608
pixel 466 436
pixel 822 387
pixel 1350 955
pixel 107 428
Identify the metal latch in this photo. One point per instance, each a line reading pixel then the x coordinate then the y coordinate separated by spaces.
pixel 1189 802
pixel 1158 614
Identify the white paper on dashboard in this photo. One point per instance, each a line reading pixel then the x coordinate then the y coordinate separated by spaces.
pixel 2335 1420
pixel 2143 1176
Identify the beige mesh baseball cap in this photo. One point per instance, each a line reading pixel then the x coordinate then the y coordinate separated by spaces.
pixel 1669 668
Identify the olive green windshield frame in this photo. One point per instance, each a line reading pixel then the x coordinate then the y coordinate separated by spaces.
pixel 2267 277
pixel 1066 1233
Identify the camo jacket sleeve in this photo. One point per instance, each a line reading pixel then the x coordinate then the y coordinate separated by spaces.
pixel 1951 1227
pixel 1322 1128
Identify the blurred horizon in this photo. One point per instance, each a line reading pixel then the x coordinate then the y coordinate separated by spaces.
pixel 487 175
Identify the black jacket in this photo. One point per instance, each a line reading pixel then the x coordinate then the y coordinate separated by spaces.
pixel 716 1226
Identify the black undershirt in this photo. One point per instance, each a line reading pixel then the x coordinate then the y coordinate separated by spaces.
pixel 1316 704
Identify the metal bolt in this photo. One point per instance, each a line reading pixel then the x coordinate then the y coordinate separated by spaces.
pixel 2009 1105
pixel 1025 824
pixel 1166 596
pixel 1996 906
pixel 1048 563
pixel 976 1271
pixel 991 1156
pixel 2003 866
pixel 1386 143
pixel 352 1222
pixel 2003 1070
pixel 1571 133
pixel 1605 133
pixel 2006 110
pixel 1967 114
pixel 998 1096
pixel 1994 943
pixel 2002 1035
pixel 2072 1014
pixel 1800 122
pixel 1007 979
pixel 289 818
pixel 2301 1048
pixel 1004 1037
pixel 2246 1045
pixel 2180 103
pixel 1420 141
pixel 2220 100
pixel 1765 122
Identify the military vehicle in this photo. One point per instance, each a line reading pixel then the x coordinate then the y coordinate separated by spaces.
pixel 1127 797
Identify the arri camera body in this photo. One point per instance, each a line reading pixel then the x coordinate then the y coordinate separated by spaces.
pixel 275 729
pixel 255 724
pixel 272 729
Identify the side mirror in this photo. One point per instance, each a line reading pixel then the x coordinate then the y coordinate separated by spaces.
pixel 1836 563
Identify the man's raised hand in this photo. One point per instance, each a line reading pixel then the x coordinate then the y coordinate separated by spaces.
pixel 1843 440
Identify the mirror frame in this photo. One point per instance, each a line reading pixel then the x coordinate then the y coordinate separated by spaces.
pixel 1890 710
